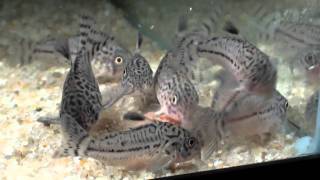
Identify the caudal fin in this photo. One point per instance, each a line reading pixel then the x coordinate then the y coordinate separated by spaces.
pixel 52 46
pixel 75 138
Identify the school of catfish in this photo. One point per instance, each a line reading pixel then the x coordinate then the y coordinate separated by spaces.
pixel 246 102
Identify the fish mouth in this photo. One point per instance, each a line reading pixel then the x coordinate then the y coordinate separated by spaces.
pixel 110 69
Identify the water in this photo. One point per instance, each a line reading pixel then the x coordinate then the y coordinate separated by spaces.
pixel 31 84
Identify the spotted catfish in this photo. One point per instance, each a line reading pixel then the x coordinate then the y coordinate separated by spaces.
pixel 180 104
pixel 81 97
pixel 249 114
pixel 268 118
pixel 179 63
pixel 176 95
pixel 103 48
pixel 109 53
pixel 137 79
pixel 153 147
pixel 251 68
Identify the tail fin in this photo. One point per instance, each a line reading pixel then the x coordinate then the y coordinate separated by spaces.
pixel 25 51
pixel 67 47
pixel 75 138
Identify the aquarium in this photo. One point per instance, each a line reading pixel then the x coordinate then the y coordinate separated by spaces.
pixel 144 89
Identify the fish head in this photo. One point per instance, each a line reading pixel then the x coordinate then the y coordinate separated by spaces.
pixel 176 94
pixel 182 144
pixel 190 148
pixel 113 59
pixel 136 79
pixel 137 74
pixel 311 66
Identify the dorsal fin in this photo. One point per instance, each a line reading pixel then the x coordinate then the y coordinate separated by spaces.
pixel 230 28
pixel 82 62
pixel 139 41
pixel 182 24
pixel 87 27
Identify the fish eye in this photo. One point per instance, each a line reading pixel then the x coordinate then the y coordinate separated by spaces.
pixel 118 60
pixel 191 142
pixel 174 100
pixel 124 72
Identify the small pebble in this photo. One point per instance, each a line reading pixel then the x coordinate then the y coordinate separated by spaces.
pixel 38 109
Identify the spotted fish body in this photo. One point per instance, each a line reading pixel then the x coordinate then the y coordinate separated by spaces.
pixel 250 66
pixel 151 146
pixel 108 52
pixel 81 97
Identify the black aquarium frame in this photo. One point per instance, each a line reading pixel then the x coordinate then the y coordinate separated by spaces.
pixel 305 166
